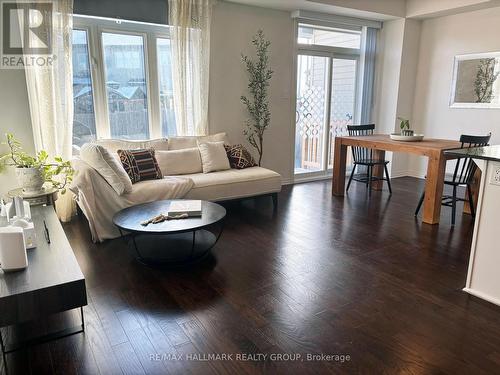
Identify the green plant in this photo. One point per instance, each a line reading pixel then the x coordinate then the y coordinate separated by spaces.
pixel 58 172
pixel 259 75
pixel 404 124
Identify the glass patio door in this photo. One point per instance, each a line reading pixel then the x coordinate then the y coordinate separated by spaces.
pixel 326 104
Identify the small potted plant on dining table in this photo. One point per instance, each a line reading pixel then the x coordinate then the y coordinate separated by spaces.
pixel 404 125
pixel 33 172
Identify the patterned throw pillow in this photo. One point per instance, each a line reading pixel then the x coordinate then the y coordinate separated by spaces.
pixel 140 164
pixel 239 157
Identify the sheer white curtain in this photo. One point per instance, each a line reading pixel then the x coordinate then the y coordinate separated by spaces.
pixel 190 40
pixel 50 93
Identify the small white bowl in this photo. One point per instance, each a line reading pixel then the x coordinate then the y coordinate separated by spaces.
pixel 407 138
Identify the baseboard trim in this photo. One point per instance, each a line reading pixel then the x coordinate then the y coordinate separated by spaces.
pixel 407 173
pixel 483 296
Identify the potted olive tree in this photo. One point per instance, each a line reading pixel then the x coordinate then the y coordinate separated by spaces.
pixel 257 103
pixel 33 172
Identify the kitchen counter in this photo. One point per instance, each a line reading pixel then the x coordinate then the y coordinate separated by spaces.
pixel 491 153
pixel 483 277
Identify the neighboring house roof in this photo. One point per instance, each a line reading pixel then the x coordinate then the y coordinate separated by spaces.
pixel 127 92
pixel 130 92
pixel 83 91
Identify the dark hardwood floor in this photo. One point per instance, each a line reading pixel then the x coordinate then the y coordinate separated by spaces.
pixel 359 277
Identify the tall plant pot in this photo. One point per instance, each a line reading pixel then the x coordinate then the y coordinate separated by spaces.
pixel 30 179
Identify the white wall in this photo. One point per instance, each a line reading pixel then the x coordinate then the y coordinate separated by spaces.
pixel 388 69
pixel 14 118
pixel 232 30
pixel 441 39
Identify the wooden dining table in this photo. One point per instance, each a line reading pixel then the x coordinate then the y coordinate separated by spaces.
pixel 433 149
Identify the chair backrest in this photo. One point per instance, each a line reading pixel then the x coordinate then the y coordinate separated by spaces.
pixel 361 153
pixel 465 167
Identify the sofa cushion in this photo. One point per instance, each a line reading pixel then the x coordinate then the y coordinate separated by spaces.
pixel 233 183
pixel 239 157
pixel 213 157
pixel 179 143
pixel 107 166
pixel 113 145
pixel 178 162
pixel 140 164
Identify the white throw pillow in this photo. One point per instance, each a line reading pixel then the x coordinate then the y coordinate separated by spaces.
pixel 107 166
pixel 178 162
pixel 213 156
pixel 179 143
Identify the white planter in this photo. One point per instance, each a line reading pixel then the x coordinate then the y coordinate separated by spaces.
pixel 30 179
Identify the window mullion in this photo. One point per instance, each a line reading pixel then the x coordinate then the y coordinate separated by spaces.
pixel 154 97
pixel 102 126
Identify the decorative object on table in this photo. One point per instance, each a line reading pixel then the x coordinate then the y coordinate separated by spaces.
pixel 33 171
pixel 140 164
pixel 162 217
pixel 28 230
pixel 259 75
pixel 407 138
pixel 12 249
pixel 239 157
pixel 190 207
pixel 18 209
pixel 3 208
pixel 47 196
pixel 404 125
pixel 476 81
pixel 19 215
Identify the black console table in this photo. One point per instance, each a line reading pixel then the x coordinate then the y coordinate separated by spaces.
pixel 52 283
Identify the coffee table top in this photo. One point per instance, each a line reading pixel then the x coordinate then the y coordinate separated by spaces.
pixel 130 218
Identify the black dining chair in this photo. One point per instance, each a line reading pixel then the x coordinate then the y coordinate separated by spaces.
pixel 463 175
pixel 364 156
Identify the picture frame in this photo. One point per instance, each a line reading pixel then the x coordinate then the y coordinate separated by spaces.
pixel 476 81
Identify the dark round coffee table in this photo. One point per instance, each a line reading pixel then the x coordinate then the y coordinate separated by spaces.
pixel 172 242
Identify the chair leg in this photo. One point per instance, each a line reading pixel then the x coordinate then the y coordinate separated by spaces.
pixel 350 178
pixel 471 201
pixel 420 202
pixel 370 172
pixel 388 179
pixel 454 205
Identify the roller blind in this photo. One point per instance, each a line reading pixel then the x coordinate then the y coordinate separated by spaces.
pixel 152 11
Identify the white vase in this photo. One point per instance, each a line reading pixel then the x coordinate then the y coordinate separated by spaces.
pixel 30 179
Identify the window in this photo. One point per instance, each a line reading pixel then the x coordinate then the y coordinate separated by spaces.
pixel 84 129
pixel 331 37
pixel 167 115
pixel 326 101
pixel 122 80
pixel 126 89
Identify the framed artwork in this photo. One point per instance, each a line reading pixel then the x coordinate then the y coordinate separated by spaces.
pixel 476 81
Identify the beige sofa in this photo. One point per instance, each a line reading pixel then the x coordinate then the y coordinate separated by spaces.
pixel 99 201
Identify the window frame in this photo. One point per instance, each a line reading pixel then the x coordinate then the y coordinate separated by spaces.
pixel 95 27
pixel 331 53
pixel 91 72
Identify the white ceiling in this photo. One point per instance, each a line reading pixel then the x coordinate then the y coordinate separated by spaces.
pixel 317 6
